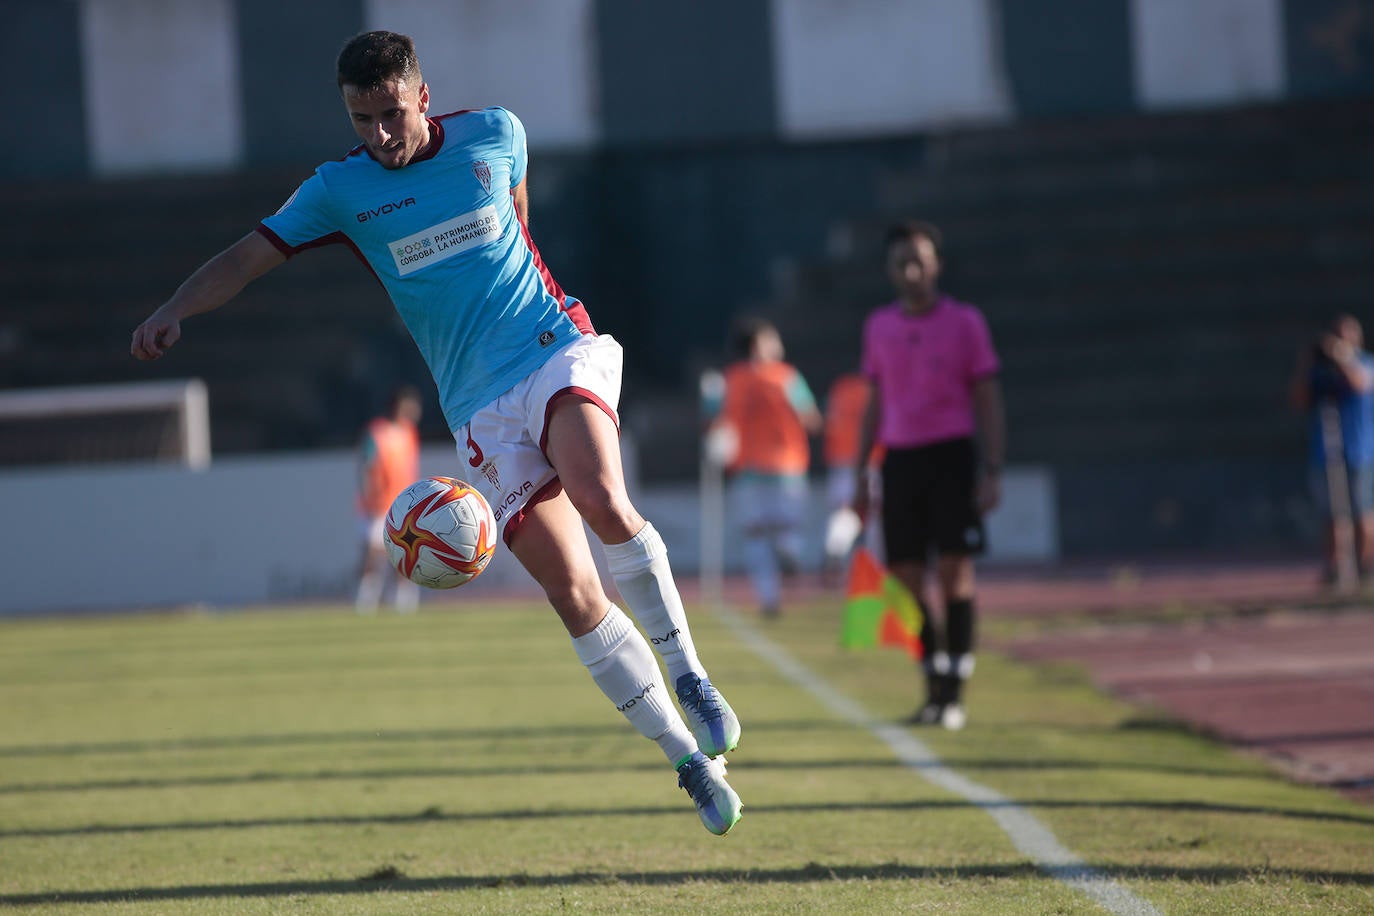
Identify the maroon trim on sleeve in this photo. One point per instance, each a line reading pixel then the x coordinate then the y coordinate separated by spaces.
pixel 333 238
pixel 277 243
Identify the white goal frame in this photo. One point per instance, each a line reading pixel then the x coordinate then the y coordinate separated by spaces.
pixel 187 399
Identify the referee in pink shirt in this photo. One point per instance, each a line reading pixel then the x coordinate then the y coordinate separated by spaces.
pixel 937 410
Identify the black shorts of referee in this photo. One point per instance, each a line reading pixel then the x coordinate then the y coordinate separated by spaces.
pixel 929 501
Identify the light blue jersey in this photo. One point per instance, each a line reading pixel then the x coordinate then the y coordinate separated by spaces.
pixel 443 237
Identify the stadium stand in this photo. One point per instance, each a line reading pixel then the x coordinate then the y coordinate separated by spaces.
pixel 283 365
pixel 1148 278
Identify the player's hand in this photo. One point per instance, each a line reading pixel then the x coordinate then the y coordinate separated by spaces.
pixel 989 491
pixel 1338 349
pixel 155 336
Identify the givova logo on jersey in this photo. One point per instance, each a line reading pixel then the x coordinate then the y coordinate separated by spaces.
pixel 390 206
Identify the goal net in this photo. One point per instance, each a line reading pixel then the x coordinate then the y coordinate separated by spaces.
pixel 136 421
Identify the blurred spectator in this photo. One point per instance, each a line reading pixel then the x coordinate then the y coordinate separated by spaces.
pixel 388 462
pixel 935 381
pixel 766 413
pixel 846 402
pixel 1334 381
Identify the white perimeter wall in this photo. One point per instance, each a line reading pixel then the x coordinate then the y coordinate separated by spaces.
pixel 281 528
pixel 162 84
pixel 859 67
pixel 1190 53
pixel 537 59
pixel 161 81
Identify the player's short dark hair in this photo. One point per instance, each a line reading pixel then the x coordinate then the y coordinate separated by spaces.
pixel 370 59
pixel 745 330
pixel 912 229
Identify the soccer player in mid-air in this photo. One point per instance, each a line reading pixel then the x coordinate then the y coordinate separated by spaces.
pixel 438 209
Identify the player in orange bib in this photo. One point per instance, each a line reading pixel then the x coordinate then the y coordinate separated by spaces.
pixel 770 411
pixel 388 462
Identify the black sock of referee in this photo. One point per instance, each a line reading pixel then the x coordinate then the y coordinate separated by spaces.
pixel 959 632
pixel 930 649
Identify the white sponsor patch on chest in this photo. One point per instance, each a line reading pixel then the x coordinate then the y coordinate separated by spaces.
pixel 453 236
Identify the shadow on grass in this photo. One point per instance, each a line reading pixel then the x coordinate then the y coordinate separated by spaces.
pixel 306 739
pixel 257 777
pixel 388 879
pixel 437 814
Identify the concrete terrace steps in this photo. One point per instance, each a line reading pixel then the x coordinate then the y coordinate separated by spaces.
pixel 1090 139
pixel 282 362
pixel 1196 213
pixel 1125 176
pixel 1163 266
pixel 1148 279
pixel 1045 257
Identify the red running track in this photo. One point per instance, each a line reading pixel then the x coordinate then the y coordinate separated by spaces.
pixel 1292 680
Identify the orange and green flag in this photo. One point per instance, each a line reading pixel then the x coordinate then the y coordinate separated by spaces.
pixel 879 610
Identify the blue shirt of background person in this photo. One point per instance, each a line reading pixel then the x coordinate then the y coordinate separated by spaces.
pixel 1335 373
pixel 1341 373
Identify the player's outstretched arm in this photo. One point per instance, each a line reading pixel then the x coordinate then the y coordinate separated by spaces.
pixel 213 284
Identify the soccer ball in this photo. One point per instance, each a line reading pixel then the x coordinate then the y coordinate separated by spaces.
pixel 440 532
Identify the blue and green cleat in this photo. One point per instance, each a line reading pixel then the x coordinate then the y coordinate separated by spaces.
pixel 712 721
pixel 717 804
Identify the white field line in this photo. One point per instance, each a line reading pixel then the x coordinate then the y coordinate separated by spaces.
pixel 1032 838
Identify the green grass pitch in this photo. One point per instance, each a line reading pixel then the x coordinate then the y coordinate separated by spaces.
pixel 308 760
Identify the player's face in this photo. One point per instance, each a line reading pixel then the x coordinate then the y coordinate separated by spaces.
pixel 768 345
pixel 913 266
pixel 390 120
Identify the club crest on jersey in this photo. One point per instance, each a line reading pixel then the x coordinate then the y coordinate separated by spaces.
pixel 483 173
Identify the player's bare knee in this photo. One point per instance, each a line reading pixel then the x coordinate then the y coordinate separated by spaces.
pixel 611 516
pixel 579 604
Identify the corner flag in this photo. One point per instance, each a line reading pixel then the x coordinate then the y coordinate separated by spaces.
pixel 879 610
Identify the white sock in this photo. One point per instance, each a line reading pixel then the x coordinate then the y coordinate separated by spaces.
pixel 620 662
pixel 762 564
pixel 406 596
pixel 369 593
pixel 641 572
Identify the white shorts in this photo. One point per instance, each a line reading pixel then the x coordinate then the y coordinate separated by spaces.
pixel 372 529
pixel 504 442
pixel 769 502
pixel 839 486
